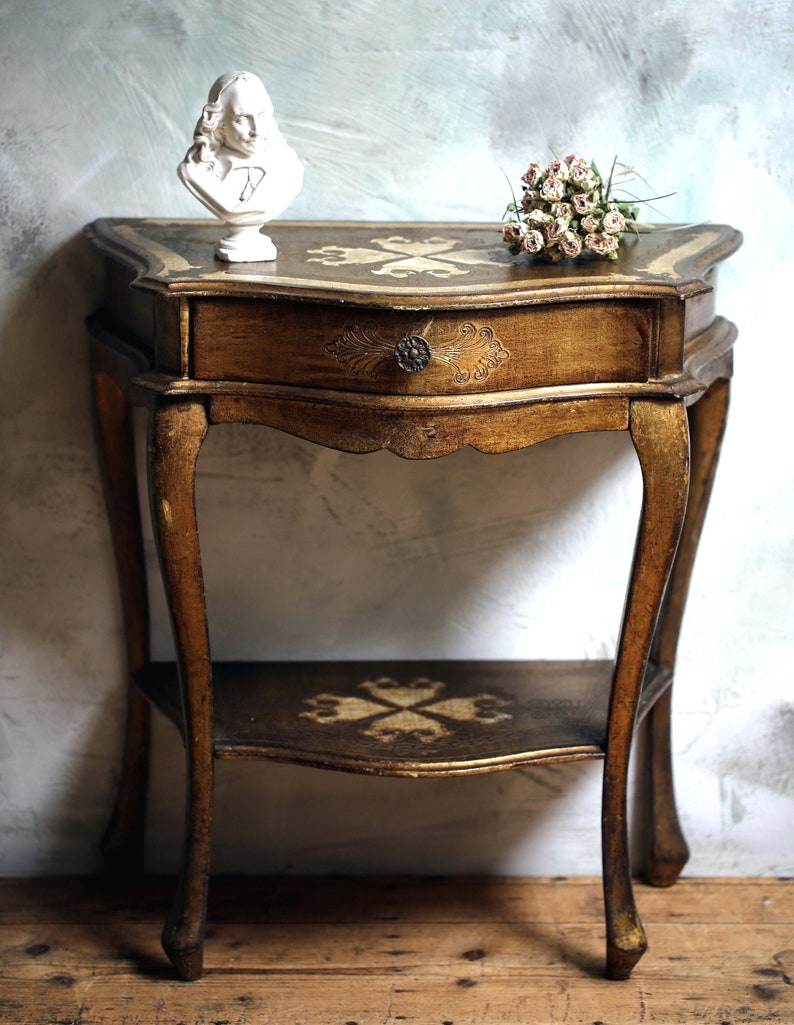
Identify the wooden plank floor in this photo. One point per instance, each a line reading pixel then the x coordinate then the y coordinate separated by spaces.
pixel 378 951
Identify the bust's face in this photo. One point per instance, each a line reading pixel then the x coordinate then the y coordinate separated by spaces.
pixel 247 121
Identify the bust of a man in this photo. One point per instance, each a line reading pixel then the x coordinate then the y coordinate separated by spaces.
pixel 240 166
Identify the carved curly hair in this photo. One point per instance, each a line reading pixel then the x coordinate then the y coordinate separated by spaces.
pixel 206 136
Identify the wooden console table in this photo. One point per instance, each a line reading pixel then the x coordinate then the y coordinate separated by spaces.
pixel 418 338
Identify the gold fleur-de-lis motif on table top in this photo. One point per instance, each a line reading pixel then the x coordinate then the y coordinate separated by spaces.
pixel 402 257
pixel 395 710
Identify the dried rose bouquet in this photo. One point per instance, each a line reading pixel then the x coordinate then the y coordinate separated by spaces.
pixel 566 209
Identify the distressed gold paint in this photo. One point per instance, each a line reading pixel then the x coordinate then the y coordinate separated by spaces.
pixel 666 263
pixel 172 263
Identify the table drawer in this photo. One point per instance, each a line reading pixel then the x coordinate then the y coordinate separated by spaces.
pixel 421 352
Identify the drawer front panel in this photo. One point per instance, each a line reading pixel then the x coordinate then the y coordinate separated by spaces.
pixel 421 352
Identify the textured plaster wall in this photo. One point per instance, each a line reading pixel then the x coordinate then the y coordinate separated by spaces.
pixel 400 111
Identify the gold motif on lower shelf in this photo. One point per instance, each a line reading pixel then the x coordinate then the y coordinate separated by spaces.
pixel 400 710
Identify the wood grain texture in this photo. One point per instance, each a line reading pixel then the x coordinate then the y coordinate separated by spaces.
pixel 553 344
pixel 480 950
pixel 668 851
pixel 421 430
pixel 176 431
pixel 660 436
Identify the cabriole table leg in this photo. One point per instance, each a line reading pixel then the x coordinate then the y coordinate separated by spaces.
pixel 177 429
pixel 660 436
pixel 122 844
pixel 667 847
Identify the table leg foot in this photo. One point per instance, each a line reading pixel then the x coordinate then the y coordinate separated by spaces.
pixel 183 934
pixel 187 958
pixel 626 941
pixel 625 946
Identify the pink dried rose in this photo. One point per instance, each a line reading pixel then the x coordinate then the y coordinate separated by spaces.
pixel 582 202
pixel 513 231
pixel 552 190
pixel 556 229
pixel 601 244
pixel 570 245
pixel 532 242
pixel 558 169
pixel 580 172
pixel 539 218
pixel 583 176
pixel 532 175
pixel 590 223
pixel 614 222
pixel 530 200
pixel 564 210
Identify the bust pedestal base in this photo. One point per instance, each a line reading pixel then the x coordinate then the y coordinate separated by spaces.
pixel 245 244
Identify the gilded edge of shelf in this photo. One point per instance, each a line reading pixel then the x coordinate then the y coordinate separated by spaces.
pixel 169 385
pixel 412 770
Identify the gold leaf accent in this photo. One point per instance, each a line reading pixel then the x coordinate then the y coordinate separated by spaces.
pixel 405 257
pixel 422 727
pixel 360 350
pixel 472 355
pixel 480 708
pixel 334 708
pixel 400 709
pixel 403 695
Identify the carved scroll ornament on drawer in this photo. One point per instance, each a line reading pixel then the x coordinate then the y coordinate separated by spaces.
pixel 472 355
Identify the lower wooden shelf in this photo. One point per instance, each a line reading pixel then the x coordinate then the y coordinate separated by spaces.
pixel 405 718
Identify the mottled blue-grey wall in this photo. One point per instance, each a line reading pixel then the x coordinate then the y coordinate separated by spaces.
pixel 400 111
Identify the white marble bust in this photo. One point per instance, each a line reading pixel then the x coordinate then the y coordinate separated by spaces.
pixel 240 166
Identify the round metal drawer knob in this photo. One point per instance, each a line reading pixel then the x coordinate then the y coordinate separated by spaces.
pixel 412 353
